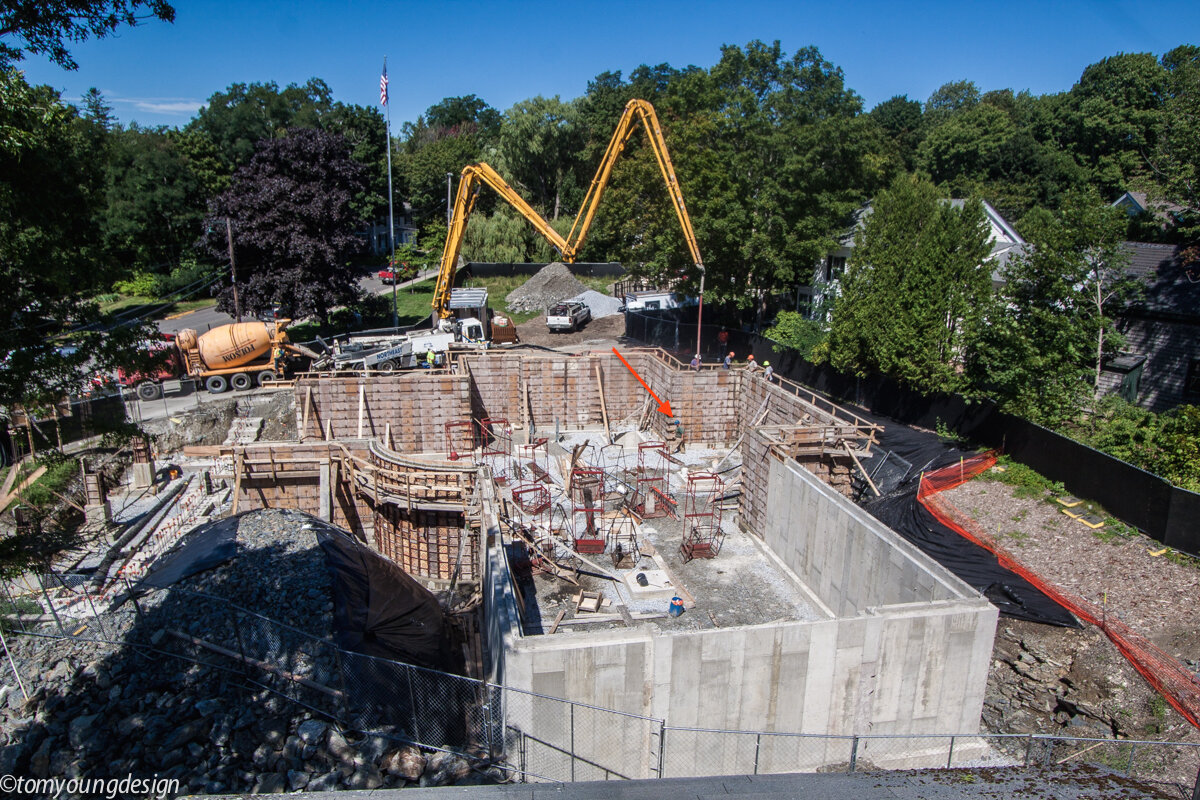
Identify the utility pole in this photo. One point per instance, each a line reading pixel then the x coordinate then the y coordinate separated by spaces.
pixel 237 306
pixel 383 99
pixel 449 207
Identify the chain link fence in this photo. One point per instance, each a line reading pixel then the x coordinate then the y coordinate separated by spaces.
pixel 534 737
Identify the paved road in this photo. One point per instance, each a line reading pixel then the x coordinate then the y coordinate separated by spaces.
pixel 176 401
pixel 203 319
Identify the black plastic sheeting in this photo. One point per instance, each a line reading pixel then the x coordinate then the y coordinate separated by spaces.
pixel 977 566
pixel 204 548
pixel 378 610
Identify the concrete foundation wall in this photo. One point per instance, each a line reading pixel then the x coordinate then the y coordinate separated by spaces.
pixel 851 560
pixel 901 670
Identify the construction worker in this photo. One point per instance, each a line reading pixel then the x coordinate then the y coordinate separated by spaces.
pixel 751 364
pixel 430 358
pixel 729 360
pixel 768 371
pixel 677 435
pixel 696 362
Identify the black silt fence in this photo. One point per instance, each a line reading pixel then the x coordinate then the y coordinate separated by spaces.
pixel 1139 498
pixel 481 269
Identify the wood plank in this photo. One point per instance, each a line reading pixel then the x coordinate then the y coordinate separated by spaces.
pixel 15 493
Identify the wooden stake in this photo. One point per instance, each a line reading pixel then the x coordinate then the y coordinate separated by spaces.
pixel 237 481
pixel 307 406
pixel 603 407
pixel 557 620
pixel 858 463
pixel 362 402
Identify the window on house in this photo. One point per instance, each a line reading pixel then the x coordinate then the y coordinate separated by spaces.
pixel 1191 385
pixel 804 302
pixel 835 266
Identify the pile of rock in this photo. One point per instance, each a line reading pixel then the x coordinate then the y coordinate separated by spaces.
pixel 103 709
pixel 552 284
pixel 601 305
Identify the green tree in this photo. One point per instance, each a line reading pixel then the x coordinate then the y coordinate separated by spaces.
pixel 155 201
pixel 901 120
pixel 236 120
pixel 910 299
pixel 1049 328
pixel 51 190
pixel 1110 118
pixel 45 26
pixel 793 330
pixel 539 141
pixel 1175 162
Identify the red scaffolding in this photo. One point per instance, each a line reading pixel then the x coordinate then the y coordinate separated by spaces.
pixel 702 535
pixel 587 510
pixel 461 439
pixel 495 438
pixel 650 489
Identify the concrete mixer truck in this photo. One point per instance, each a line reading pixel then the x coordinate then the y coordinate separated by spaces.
pixel 238 355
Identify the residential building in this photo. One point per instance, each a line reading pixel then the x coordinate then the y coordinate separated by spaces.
pixel 1159 367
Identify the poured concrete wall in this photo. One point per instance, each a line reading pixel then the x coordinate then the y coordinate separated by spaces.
pixel 851 560
pixel 909 655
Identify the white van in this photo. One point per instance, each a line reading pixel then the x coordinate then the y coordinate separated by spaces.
pixel 651 301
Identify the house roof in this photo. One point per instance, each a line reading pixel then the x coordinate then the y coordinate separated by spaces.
pixel 1138 203
pixel 1172 288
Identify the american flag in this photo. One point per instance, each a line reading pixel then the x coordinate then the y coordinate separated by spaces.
pixel 383 86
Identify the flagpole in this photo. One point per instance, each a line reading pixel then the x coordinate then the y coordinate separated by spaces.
pixel 391 217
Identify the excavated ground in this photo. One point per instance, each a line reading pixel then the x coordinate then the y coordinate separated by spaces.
pixel 1051 680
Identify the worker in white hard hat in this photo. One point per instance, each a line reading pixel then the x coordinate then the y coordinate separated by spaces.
pixel 696 362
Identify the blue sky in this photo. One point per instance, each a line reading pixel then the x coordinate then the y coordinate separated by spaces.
pixel 160 74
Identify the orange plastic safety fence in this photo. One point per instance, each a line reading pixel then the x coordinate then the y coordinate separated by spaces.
pixel 1162 670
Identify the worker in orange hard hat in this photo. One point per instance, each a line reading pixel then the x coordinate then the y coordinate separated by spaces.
pixel 751 364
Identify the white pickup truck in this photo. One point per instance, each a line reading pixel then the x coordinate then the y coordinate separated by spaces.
pixel 569 316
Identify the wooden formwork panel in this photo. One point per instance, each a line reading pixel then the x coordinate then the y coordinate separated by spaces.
pixel 427 543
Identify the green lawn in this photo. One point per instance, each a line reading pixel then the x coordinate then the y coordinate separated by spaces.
pixel 135 306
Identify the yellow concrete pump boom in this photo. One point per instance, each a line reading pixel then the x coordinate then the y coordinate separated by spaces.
pixel 464 203
pixel 474 175
pixel 634 110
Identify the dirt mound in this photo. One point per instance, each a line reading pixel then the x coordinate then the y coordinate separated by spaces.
pixel 552 284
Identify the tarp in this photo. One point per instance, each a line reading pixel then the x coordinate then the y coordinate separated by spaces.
pixel 379 610
pixel 202 549
pixel 900 511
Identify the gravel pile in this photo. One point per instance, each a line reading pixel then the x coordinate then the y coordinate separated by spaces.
pixel 601 305
pixel 552 284
pixel 101 709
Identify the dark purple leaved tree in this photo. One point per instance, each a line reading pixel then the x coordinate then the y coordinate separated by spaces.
pixel 294 230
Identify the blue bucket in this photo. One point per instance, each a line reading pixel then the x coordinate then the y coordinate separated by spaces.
pixel 676 607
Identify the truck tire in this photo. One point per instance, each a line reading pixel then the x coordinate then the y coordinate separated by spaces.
pixel 266 377
pixel 240 381
pixel 216 384
pixel 149 390
pixel 386 366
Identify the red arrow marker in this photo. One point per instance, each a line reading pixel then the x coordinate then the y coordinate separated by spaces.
pixel 663 405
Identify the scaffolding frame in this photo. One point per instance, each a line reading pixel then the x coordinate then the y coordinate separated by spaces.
pixel 587 522
pixel 650 498
pixel 496 447
pixel 702 533
pixel 458 433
